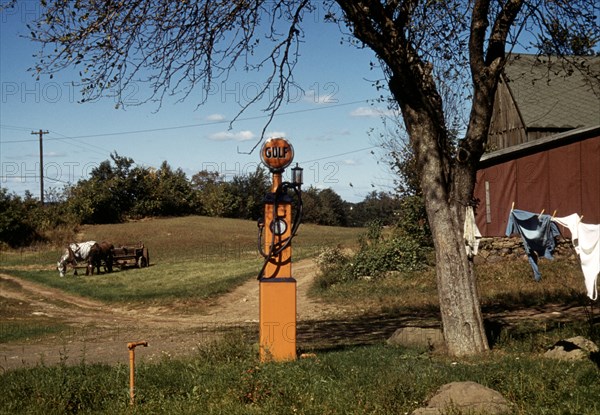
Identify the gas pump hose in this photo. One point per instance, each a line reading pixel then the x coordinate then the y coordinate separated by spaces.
pixel 276 249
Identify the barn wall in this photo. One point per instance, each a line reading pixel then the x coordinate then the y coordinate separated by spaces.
pixel 506 126
pixel 590 174
pixel 496 189
pixel 565 179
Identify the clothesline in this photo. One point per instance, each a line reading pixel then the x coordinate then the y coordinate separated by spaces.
pixel 542 212
pixel 538 232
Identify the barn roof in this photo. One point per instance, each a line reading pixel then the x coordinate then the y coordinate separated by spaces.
pixel 551 93
pixel 553 141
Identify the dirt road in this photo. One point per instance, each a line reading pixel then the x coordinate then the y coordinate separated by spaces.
pixel 98 332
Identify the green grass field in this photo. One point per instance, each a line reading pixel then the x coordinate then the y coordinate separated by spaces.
pixel 200 258
pixel 194 256
pixel 226 378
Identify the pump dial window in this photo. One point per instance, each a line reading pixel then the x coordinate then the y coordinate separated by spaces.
pixel 278 227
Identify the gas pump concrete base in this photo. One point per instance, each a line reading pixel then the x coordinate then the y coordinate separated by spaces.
pixel 277 319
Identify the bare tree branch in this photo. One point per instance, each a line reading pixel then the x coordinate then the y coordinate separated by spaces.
pixel 171 46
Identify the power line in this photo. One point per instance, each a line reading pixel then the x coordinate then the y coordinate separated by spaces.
pixel 57 180
pixel 341 154
pixel 82 145
pixel 302 162
pixel 23 178
pixel 14 127
pixel 150 130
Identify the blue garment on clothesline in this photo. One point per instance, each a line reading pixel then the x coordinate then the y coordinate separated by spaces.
pixel 537 232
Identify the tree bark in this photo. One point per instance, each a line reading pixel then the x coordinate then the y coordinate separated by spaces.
pixel 460 309
pixel 457 287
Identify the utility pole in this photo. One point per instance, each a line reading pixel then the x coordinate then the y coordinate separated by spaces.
pixel 41 134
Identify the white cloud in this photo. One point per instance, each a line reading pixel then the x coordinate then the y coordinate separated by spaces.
pixel 330 135
pixel 54 154
pixel 371 112
pixel 324 97
pixel 17 179
pixel 244 135
pixel 350 162
pixel 216 117
pixel 46 154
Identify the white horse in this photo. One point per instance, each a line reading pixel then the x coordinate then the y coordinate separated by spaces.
pixel 77 252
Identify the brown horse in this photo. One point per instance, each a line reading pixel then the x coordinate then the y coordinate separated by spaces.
pixel 99 252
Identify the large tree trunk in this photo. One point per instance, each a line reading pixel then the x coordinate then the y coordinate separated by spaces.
pixel 447 192
pixel 447 178
pixel 457 288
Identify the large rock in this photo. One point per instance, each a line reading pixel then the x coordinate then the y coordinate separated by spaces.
pixel 465 397
pixel 575 348
pixel 422 337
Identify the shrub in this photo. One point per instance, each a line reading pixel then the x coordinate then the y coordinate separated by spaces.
pixel 377 256
pixel 413 222
pixel 334 267
pixel 373 234
pixel 400 253
pixel 15 227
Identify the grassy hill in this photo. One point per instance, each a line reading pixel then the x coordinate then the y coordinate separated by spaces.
pixel 190 256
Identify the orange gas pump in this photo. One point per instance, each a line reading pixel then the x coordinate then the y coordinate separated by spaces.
pixel 277 287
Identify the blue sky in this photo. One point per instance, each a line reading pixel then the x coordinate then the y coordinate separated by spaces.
pixel 328 123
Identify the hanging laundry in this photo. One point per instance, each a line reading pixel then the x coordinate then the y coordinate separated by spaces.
pixel 570 222
pixel 586 240
pixel 471 233
pixel 537 232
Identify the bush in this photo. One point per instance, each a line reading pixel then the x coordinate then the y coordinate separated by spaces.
pixel 377 256
pixel 400 253
pixel 413 222
pixel 16 228
pixel 334 267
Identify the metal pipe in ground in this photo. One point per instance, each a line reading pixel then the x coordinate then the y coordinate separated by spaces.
pixel 131 346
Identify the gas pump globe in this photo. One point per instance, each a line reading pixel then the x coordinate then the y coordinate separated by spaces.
pixel 277 154
pixel 277 287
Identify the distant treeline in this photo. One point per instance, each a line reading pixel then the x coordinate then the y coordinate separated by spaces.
pixel 118 190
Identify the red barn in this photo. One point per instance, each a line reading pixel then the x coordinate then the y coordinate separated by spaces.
pixel 545 134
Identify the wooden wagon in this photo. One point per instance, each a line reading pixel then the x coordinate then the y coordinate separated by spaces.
pixel 131 256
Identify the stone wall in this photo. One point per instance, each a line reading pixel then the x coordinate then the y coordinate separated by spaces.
pixel 510 248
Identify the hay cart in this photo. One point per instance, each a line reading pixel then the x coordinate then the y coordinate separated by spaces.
pixel 131 256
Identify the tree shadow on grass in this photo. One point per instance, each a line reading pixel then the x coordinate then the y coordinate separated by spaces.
pixel 357 331
pixel 509 314
pixel 504 315
pixel 547 302
pixel 508 311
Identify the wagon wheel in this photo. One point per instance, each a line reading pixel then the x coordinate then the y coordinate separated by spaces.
pixel 144 260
